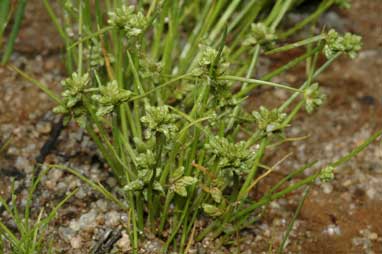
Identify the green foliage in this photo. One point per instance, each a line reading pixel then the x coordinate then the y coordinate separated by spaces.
pixel 159 121
pixel 125 18
pixel 72 98
pixel 212 210
pixel 110 96
pixel 269 121
pixel 31 235
pixel 230 156
pixel 349 44
pixel 313 97
pixel 260 34
pixel 327 174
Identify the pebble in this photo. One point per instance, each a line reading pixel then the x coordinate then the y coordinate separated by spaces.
pixel 66 233
pixel 153 246
pixel 81 194
pixel 124 243
pixel 61 187
pixel 373 236
pixel 332 230
pixel 87 221
pixel 371 193
pixel 111 181
pixel 22 163
pixel 44 127
pixel 102 205
pixel 112 218
pixel 347 183
pixel 327 188
pixel 50 64
pixel 76 242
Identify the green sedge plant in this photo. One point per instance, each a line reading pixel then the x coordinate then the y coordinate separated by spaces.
pixel 29 236
pixel 161 88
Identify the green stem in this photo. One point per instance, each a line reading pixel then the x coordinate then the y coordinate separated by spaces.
pixel 297 44
pixel 290 226
pixel 259 82
pixel 259 154
pixel 19 14
pixel 4 17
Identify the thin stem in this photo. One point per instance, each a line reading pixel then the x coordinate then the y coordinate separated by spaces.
pixel 290 226
pixel 259 154
pixel 19 14
pixel 259 82
pixel 297 44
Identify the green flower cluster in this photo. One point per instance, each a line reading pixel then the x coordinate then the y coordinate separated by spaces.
pixel 73 94
pixel 208 58
pixel 349 43
pixel 269 121
pixel 146 163
pixel 150 69
pixel 159 120
pixel 110 96
pixel 232 156
pixel 125 18
pixel 260 34
pixel 327 174
pixel 313 97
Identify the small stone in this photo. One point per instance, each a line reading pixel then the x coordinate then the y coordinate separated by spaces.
pixel 81 194
pixel 74 225
pixel 111 181
pixel 100 219
pixel 332 230
pixel 371 193
pixel 347 183
pixel 49 64
pixel 327 188
pixel 66 233
pixel 76 242
pixel 22 163
pixel 88 219
pixel 44 127
pixel 61 187
pixel 124 243
pixel 112 218
pixel 102 205
pixel 373 236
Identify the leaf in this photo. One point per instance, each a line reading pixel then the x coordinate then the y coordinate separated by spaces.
pixel 145 175
pixel 212 210
pixel 101 111
pixel 216 194
pixel 181 190
pixel 158 187
pixel 134 185
pixel 182 183
pixel 187 180
pixel 178 173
